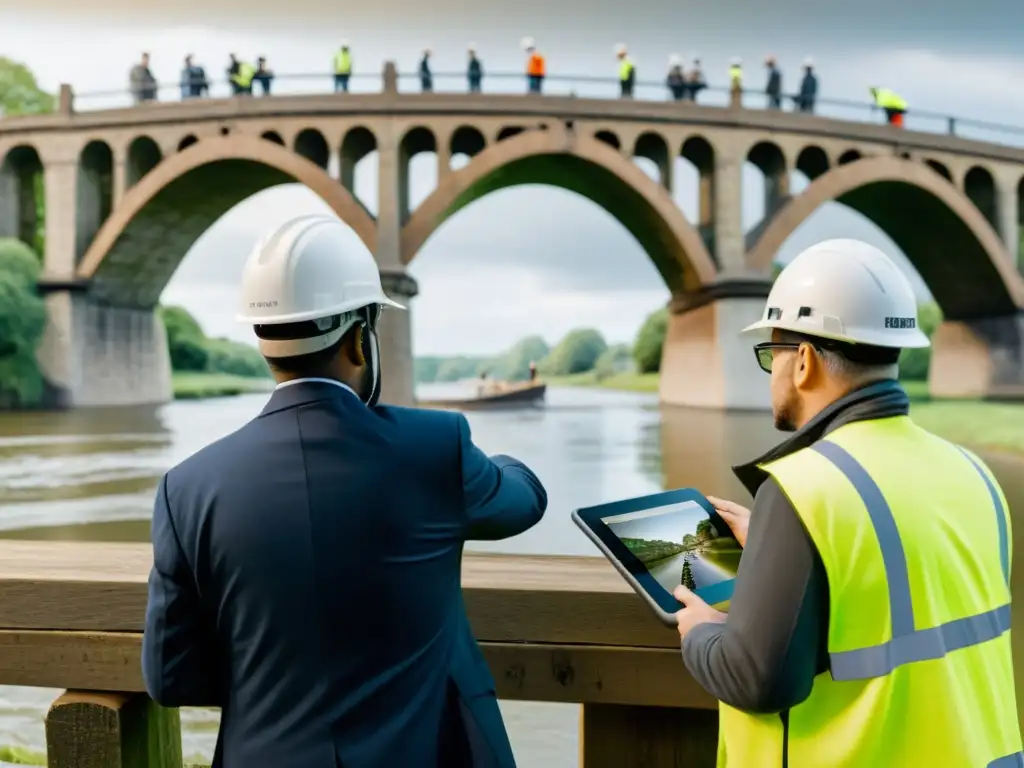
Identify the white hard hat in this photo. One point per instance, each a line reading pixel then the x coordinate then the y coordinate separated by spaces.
pixel 528 43
pixel 344 43
pixel 844 290
pixel 736 61
pixel 620 48
pixel 310 268
pixel 808 62
pixel 675 60
pixel 472 46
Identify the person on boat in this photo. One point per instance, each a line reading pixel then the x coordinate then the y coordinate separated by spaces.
pixel 870 620
pixel 306 573
pixel 533 371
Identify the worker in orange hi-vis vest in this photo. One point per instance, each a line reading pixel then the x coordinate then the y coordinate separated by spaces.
pixel 535 66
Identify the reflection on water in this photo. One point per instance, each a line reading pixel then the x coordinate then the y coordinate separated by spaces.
pixel 90 475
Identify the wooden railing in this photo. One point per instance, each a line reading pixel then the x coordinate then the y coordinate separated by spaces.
pixel 561 629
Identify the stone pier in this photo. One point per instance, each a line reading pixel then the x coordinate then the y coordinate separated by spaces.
pixel 705 362
pixel 978 358
pixel 98 355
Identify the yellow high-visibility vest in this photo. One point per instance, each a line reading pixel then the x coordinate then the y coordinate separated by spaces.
pixel 736 77
pixel 914 534
pixel 343 63
pixel 625 69
pixel 886 99
pixel 244 75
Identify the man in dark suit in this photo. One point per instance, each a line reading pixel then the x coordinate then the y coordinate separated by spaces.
pixel 306 572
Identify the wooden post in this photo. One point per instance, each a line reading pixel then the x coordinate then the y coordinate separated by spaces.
pixel 111 730
pixel 614 736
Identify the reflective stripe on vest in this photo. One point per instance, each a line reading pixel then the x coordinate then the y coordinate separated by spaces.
pixel 909 644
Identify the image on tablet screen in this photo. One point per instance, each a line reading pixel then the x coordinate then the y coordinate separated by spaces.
pixel 678 545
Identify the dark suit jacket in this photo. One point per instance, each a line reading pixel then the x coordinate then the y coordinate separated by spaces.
pixel 307 581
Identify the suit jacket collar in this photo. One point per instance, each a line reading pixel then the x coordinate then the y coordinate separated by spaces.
pixel 306 392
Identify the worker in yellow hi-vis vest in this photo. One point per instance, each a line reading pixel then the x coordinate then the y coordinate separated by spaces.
pixel 240 75
pixel 342 68
pixel 894 106
pixel 870 619
pixel 627 72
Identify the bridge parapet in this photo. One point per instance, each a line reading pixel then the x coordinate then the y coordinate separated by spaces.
pixel 557 629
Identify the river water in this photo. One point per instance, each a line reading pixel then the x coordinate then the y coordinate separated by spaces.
pixel 90 475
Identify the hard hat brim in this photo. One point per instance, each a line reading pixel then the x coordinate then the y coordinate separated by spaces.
pixel 298 317
pixel 911 338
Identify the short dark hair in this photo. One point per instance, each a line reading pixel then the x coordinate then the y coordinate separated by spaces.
pixel 861 354
pixel 300 365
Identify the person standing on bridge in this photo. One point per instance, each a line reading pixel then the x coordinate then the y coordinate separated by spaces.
pixel 870 620
pixel 676 80
pixel 264 75
pixel 240 75
pixel 342 68
pixel 426 76
pixel 808 89
pixel 736 81
pixel 894 106
pixel 536 67
pixel 773 90
pixel 695 82
pixel 627 72
pixel 141 82
pixel 474 70
pixel 193 80
pixel 306 572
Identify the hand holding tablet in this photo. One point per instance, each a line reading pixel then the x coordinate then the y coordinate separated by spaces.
pixel 660 541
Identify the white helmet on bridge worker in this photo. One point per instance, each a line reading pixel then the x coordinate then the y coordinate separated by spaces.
pixel 528 43
pixel 675 60
pixel 620 49
pixel 847 291
pixel 808 62
pixel 311 268
pixel 736 61
pixel 472 48
pixel 344 43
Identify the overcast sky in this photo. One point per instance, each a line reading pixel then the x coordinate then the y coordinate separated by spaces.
pixel 517 261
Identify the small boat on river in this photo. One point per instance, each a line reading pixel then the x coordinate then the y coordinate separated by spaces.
pixel 495 394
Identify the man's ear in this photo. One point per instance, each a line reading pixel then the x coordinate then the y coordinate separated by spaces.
pixel 353 346
pixel 805 367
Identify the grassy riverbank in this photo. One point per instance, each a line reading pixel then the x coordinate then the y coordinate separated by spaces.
pixel 195 386
pixel 975 423
pixel 21 756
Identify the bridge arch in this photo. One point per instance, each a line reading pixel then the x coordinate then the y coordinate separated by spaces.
pixel 948 240
pixel 138 248
pixel 590 168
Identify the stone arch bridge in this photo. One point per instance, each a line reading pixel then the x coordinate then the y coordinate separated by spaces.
pixel 128 191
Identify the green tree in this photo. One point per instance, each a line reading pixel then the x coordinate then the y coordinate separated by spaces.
pixel 235 358
pixel 687 576
pixel 576 353
pixel 649 341
pixel 20 94
pixel 914 362
pixel 616 359
pixel 22 324
pixel 186 341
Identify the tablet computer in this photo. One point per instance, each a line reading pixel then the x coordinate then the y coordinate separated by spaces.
pixel 660 541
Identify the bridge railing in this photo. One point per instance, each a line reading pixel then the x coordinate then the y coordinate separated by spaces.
pixel 556 629
pixel 582 86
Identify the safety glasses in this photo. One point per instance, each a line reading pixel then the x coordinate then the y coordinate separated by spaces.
pixel 765 352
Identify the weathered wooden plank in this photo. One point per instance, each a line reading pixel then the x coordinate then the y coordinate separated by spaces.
pixel 531 672
pixel 81 586
pixel 613 736
pixel 86 729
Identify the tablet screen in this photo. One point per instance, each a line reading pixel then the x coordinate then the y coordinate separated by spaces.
pixel 678 544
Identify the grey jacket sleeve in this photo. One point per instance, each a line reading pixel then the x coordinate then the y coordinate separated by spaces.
pixel 765 657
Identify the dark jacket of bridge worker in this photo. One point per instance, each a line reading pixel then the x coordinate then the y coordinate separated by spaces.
pixel 676 79
pixel 193 80
pixel 695 82
pixel 894 106
pixel 474 71
pixel 773 88
pixel 426 76
pixel 870 620
pixel 306 572
pixel 342 69
pixel 808 89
